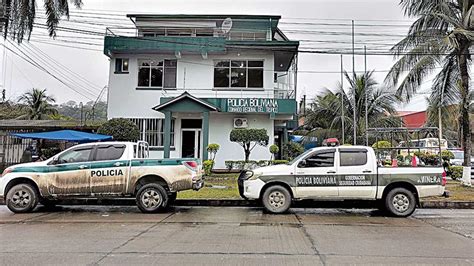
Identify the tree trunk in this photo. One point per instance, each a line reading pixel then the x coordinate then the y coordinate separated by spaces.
pixel 465 123
pixel 247 151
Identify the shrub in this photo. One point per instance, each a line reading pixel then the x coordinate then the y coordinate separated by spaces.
pixel 120 129
pixel 275 162
pixel 293 149
pixel 249 138
pixel 229 165
pixel 212 149
pixel 455 172
pixel 447 155
pixel 274 149
pixel 381 144
pixel 208 164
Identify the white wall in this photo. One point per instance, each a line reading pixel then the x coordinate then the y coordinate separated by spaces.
pixel 220 126
pixel 194 74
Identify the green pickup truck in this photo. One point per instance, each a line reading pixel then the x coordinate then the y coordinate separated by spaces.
pixel 100 170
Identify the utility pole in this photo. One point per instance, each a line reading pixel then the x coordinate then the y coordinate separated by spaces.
pixel 354 107
pixel 366 96
pixel 342 102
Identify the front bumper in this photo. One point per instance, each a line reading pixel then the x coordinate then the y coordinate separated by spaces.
pixel 249 189
pixel 198 184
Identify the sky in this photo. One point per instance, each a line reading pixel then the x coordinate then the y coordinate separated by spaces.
pixel 323 25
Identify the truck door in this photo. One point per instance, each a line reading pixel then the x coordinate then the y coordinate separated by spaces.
pixel 70 174
pixel 316 175
pixel 356 173
pixel 109 170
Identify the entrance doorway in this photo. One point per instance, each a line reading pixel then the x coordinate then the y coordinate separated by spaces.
pixel 191 143
pixel 191 138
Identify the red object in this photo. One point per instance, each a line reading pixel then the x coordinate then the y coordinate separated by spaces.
pixel 413 119
pixel 443 180
pixel 394 163
pixel 191 165
pixel 413 161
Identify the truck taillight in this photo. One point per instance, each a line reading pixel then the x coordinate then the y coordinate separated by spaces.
pixel 443 180
pixel 192 165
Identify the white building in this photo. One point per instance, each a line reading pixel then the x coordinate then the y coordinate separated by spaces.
pixel 188 80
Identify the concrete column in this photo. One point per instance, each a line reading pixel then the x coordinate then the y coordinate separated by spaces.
pixel 167 138
pixel 205 135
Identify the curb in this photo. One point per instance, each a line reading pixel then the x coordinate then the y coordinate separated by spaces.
pixel 253 203
pixel 447 204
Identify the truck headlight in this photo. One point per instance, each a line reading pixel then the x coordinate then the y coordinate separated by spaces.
pixel 254 176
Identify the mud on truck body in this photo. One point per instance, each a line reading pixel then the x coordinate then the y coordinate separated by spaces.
pixel 100 170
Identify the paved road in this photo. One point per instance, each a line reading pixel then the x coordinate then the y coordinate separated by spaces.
pixel 243 236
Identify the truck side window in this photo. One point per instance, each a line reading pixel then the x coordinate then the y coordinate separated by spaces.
pixel 76 156
pixel 353 157
pixel 322 159
pixel 107 153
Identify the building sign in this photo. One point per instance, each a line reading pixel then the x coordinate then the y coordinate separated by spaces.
pixel 252 105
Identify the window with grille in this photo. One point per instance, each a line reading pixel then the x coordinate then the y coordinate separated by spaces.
pixel 152 130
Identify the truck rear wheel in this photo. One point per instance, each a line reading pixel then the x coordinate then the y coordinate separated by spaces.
pixel 22 198
pixel 152 198
pixel 400 202
pixel 276 199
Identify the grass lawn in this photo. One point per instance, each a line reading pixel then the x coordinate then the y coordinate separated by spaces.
pixel 217 186
pixel 457 192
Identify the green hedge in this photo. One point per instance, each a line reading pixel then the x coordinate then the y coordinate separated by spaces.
pixel 249 165
pixel 455 172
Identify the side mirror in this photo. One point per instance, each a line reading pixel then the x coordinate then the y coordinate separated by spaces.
pixel 302 163
pixel 54 161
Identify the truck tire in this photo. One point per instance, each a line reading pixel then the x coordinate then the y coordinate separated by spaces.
pixel 22 198
pixel 152 198
pixel 400 202
pixel 276 199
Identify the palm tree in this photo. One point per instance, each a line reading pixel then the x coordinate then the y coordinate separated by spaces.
pixel 38 105
pixel 437 42
pixel 20 16
pixel 326 110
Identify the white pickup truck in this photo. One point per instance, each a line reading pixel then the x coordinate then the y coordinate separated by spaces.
pixel 342 173
pixel 100 170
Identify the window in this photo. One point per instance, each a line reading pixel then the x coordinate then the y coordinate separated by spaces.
pixel 159 74
pixel 353 157
pixel 320 159
pixel 152 130
pixel 110 152
pixel 76 156
pixel 238 74
pixel 121 65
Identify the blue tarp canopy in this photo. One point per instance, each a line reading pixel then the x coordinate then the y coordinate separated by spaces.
pixel 66 135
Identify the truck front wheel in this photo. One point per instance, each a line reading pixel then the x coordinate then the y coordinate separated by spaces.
pixel 276 199
pixel 400 202
pixel 22 198
pixel 152 198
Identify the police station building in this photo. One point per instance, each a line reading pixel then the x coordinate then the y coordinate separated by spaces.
pixel 188 80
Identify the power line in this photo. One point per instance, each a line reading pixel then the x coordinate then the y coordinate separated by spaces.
pixel 28 59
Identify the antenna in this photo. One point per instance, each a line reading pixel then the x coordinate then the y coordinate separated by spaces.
pixel 226 25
